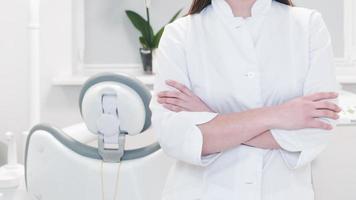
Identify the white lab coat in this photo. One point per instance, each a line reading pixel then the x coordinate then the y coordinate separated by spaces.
pixel 235 64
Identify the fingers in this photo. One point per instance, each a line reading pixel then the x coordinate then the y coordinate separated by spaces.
pixel 173 108
pixel 322 96
pixel 317 123
pixel 171 94
pixel 326 113
pixel 182 88
pixel 328 106
pixel 173 101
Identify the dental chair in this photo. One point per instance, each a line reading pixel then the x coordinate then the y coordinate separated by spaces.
pixel 98 167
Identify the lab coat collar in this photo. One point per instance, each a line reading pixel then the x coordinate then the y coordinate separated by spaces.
pixel 223 9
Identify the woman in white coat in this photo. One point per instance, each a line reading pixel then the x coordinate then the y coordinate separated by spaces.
pixel 245 99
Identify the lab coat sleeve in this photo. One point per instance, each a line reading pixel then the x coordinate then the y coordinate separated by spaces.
pixel 300 147
pixel 177 132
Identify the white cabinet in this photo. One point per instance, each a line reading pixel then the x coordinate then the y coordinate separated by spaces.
pixel 334 171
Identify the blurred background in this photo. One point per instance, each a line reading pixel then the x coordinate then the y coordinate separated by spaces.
pixel 83 37
pixel 48 49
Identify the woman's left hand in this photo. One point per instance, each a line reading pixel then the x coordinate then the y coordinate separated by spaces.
pixel 182 100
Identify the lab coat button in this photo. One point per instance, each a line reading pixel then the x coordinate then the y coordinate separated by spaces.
pixel 250 75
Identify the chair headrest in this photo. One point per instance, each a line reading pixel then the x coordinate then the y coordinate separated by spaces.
pixel 132 96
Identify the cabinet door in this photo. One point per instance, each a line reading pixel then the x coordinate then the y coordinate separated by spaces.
pixel 334 171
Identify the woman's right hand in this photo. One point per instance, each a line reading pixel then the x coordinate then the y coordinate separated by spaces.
pixel 305 112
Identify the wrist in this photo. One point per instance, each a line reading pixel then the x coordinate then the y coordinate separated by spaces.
pixel 272 117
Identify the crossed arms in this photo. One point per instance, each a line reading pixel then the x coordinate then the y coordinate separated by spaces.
pixel 251 127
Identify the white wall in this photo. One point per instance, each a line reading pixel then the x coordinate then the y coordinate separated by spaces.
pixel 59 105
pixel 332 12
pixel 110 36
pixel 13 68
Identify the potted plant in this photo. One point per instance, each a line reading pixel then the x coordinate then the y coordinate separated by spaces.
pixel 148 39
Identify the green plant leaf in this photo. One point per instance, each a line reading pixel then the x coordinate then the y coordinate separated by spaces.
pixel 143 26
pixel 157 38
pixel 159 34
pixel 144 42
pixel 175 16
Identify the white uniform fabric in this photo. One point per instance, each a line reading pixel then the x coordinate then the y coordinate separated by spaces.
pixel 235 64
